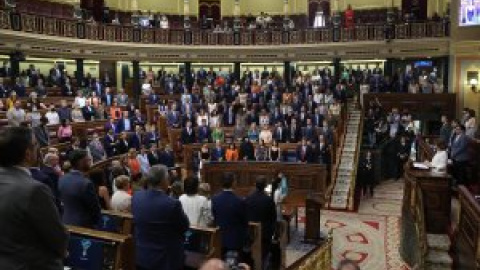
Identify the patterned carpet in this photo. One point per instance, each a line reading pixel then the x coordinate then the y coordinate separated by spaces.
pixel 370 237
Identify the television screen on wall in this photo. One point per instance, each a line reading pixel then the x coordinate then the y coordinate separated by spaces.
pixel 469 12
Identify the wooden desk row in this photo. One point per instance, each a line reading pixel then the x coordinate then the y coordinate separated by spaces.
pixel 467 240
pixel 115 235
pixel 303 179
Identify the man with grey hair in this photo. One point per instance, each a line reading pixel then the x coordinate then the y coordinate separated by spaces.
pixel 51 170
pixel 160 224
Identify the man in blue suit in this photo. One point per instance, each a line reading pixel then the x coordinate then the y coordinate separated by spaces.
pixel 203 132
pixel 78 194
pixel 160 225
pixel 124 124
pixel 230 214
pixel 460 155
pixel 218 154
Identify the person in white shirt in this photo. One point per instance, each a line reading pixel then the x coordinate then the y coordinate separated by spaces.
pixel 164 22
pixel 16 115
pixel 146 88
pixel 440 159
pixel 121 200
pixel 193 203
pixel 80 100
pixel 266 135
pixel 52 116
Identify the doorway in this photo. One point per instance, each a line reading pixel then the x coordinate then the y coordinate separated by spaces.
pixel 211 10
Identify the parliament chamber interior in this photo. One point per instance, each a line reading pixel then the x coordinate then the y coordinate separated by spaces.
pixel 239 134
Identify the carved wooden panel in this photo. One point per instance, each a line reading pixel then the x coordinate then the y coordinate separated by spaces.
pixel 261 37
pixel 127 34
pixel 161 36
pixel 49 26
pixel 346 34
pixel 4 20
pixel 212 38
pixel 92 31
pixel 325 35
pixel 109 32
pixel 436 29
pixel 276 37
pixel 227 39
pixel 246 38
pixel 296 37
pixel 418 30
pixel 70 28
pixel 361 32
pixel 28 23
pixel 401 31
pixel 148 35
pixel 379 32
pixel 303 179
pixel 312 36
pixel 196 37
pixel 176 37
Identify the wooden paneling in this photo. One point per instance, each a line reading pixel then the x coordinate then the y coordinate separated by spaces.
pixel 467 241
pixel 303 179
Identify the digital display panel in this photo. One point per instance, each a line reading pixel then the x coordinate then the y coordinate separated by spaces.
pixel 469 12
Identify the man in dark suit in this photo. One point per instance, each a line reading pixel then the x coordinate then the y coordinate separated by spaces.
pixel 109 143
pixel 160 225
pixel 108 97
pixel 137 138
pixel 203 132
pixel 96 148
pixel 294 132
pixel 279 133
pixel 122 145
pixel 33 236
pixel 230 214
pixel 41 132
pixel 218 153
pixel 309 131
pixel 88 111
pixel 229 116
pixel 188 134
pixel 19 88
pixel 460 155
pixel 304 151
pixel 173 117
pixel 50 162
pixel 78 194
pixel 153 158
pixel 261 208
pixel 446 129
pixel 166 157
pixel 125 123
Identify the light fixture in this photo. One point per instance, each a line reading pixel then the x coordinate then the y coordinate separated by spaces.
pixel 473 84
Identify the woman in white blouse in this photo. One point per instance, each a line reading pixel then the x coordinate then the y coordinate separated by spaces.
pixel 440 159
pixel 192 203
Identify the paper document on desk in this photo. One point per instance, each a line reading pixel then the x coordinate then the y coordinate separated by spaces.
pixel 420 165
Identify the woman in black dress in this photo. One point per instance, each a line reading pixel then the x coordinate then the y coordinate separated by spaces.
pixel 367 175
pixel 274 151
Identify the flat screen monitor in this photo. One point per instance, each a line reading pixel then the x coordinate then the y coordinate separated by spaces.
pixel 423 64
pixel 469 12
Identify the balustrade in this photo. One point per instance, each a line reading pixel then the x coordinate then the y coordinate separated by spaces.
pixel 126 33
